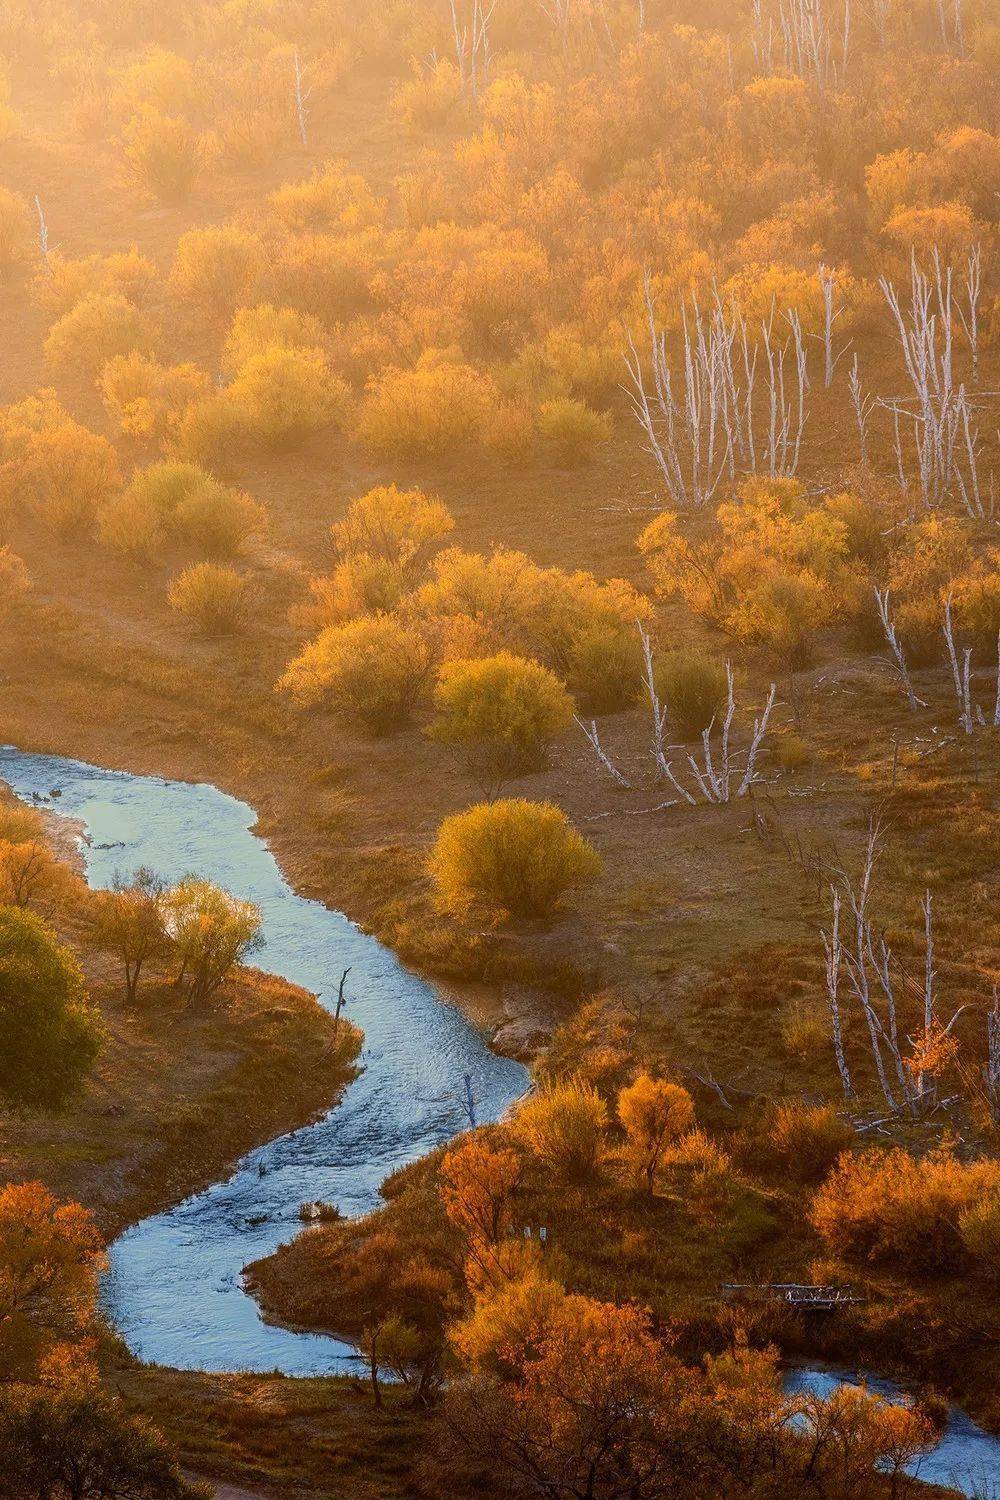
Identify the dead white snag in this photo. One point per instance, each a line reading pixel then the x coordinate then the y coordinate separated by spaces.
pixel 889 630
pixel 593 739
pixel 960 677
pixel 302 95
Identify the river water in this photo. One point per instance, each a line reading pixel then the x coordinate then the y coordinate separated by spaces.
pixel 173 1285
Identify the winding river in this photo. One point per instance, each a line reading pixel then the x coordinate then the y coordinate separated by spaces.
pixel 173 1285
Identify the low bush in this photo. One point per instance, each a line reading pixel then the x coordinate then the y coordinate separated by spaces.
pixel 425 412
pixel 215 598
pixel 570 430
pixel 180 501
pixel 164 153
pixel 889 1206
pixel 256 330
pixel 148 400
pixel 285 394
pixel 513 857
pixel 501 713
pixel 216 269
pixel 373 670
pixel 99 328
pixel 805 1140
pixel 692 685
pixel 563 1125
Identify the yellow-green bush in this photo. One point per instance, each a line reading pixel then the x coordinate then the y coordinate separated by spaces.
pixel 692 685
pixel 180 501
pixel 571 430
pixel 372 669
pixel 563 1125
pixel 215 598
pixel 513 857
pixel 501 713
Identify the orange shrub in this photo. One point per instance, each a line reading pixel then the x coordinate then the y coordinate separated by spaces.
pixel 147 399
pixel 653 1113
pixel 888 1206
pixel 427 411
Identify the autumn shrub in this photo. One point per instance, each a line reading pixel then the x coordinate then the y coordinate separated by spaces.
pixel 164 154
pixel 653 1113
pixel 216 269
pixel 61 282
pixel 979 1227
pixel 373 669
pixel 581 628
pixel 212 431
pixel 98 328
pixel 692 686
pixel 889 1206
pixel 146 399
pixel 332 277
pixel 332 198
pixel 570 430
pixel 430 98
pixel 771 567
pixel 283 395
pixel 62 470
pixel 182 502
pixel 214 598
pixel 563 1125
pixel 256 330
pixel 804 1029
pixel 806 1140
pixel 500 713
pixel 424 412
pixel 211 931
pixel 391 523
pixel 514 857
pixel 16 230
